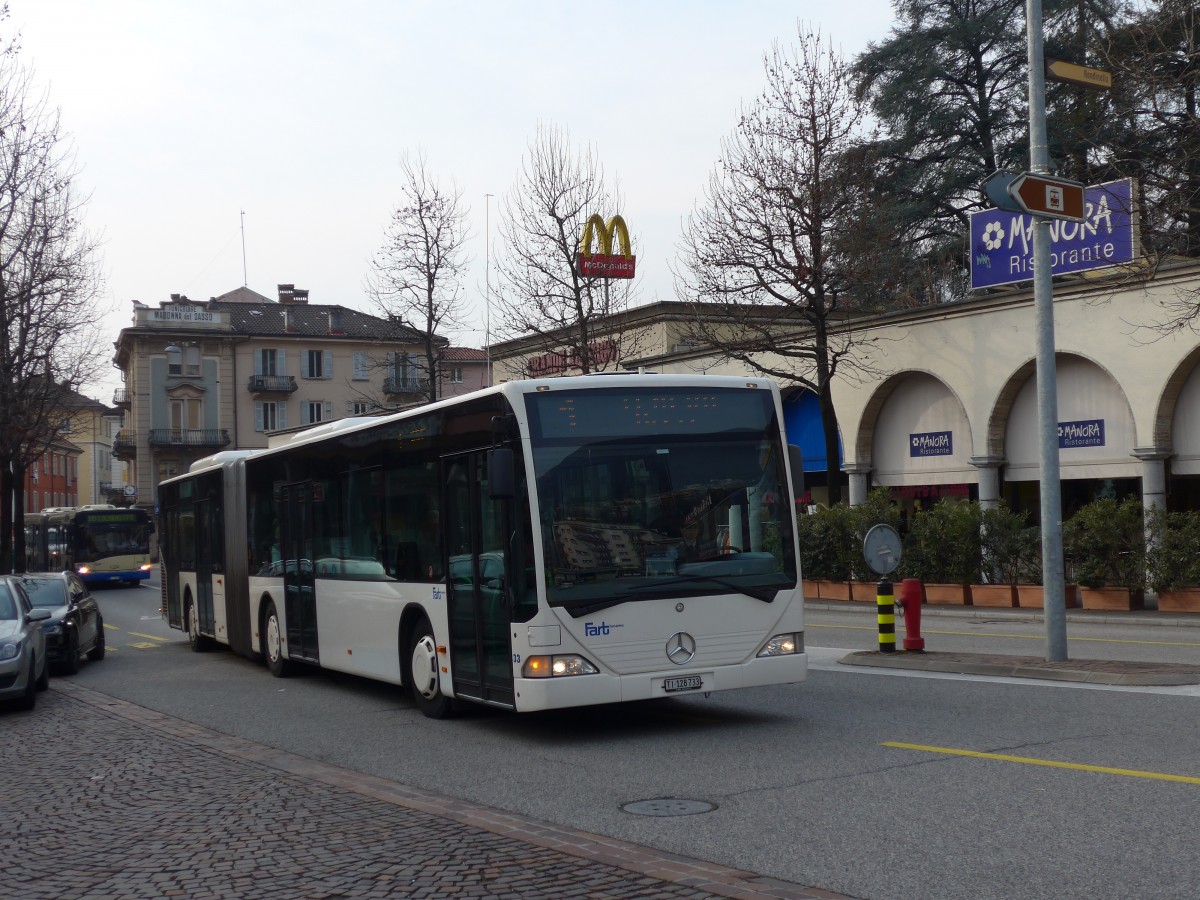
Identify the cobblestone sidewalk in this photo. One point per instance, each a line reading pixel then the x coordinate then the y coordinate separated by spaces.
pixel 106 799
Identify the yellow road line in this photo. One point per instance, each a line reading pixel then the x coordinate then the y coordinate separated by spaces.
pixel 153 637
pixel 1021 637
pixel 111 627
pixel 1032 761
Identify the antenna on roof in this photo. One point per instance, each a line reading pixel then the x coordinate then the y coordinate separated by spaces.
pixel 487 276
pixel 245 280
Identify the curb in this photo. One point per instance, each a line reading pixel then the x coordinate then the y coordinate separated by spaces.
pixel 1083 672
pixel 1141 617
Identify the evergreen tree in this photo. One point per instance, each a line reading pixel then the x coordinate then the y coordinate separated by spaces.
pixel 949 87
pixel 1154 55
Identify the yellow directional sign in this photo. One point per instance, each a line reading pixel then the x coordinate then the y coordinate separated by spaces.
pixel 1072 73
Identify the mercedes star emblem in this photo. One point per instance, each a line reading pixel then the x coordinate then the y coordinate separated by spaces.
pixel 681 647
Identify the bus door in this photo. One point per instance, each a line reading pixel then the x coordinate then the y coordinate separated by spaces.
pixel 476 528
pixel 168 566
pixel 205 535
pixel 296 546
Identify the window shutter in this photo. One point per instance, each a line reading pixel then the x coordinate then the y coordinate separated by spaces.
pixel 304 372
pixel 360 365
pixel 327 365
pixel 258 362
pixel 258 416
pixel 326 411
pixel 281 413
pixel 280 368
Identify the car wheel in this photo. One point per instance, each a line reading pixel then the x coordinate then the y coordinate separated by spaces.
pixel 70 660
pixel 29 698
pixel 43 680
pixel 97 652
pixel 423 673
pixel 272 640
pixel 199 643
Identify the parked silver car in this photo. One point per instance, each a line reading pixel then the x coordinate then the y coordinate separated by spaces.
pixel 23 667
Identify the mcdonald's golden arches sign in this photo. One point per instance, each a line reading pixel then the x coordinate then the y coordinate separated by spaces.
pixel 606 264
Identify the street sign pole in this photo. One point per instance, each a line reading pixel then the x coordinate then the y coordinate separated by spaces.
pixel 1053 578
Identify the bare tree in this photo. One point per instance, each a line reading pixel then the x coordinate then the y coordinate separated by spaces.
pixel 49 290
pixel 416 277
pixel 768 256
pixel 540 293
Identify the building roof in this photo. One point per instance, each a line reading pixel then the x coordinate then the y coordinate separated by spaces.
pixel 269 318
pixel 242 295
pixel 464 354
pixel 76 400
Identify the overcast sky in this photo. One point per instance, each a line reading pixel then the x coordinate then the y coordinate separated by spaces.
pixel 185 113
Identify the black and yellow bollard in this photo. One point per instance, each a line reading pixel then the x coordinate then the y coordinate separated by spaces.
pixel 885 614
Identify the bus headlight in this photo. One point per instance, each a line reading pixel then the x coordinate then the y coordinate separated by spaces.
pixel 83 570
pixel 556 666
pixel 783 645
pixel 146 567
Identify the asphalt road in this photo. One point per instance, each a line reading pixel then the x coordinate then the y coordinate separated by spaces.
pixel 807 780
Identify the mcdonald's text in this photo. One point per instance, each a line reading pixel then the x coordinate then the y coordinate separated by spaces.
pixel 601 265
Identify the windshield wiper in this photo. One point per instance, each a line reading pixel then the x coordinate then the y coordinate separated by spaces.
pixel 645 591
pixel 766 595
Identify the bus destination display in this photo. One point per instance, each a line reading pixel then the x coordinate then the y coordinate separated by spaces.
pixel 608 413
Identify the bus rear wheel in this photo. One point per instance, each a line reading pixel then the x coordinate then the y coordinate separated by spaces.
pixel 199 643
pixel 272 644
pixel 423 673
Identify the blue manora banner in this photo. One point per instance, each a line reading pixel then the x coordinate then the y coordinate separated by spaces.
pixel 1002 242
pixel 931 443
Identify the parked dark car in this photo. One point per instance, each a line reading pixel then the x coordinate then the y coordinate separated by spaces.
pixel 23 667
pixel 75 626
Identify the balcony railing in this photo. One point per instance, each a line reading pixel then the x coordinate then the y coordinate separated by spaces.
pixel 125 444
pixel 189 437
pixel 121 397
pixel 396 385
pixel 272 384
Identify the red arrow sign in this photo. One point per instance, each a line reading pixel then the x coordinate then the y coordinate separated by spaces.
pixel 1055 198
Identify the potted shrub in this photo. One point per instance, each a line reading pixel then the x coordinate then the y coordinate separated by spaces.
pixel 942 549
pixel 824 534
pixel 1008 547
pixel 1104 550
pixel 1173 558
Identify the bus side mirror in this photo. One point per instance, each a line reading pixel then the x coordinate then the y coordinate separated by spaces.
pixel 796 463
pixel 501 474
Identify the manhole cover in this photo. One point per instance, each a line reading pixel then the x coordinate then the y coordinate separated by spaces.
pixel 668 806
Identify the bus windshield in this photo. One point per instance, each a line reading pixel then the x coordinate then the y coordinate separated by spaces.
pixel 649 492
pixel 102 535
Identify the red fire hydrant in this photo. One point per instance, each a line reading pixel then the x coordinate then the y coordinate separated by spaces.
pixel 910 602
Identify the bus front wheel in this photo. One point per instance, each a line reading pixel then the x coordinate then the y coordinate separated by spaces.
pixel 272 639
pixel 423 673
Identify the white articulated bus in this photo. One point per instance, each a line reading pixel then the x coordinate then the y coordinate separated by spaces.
pixel 540 544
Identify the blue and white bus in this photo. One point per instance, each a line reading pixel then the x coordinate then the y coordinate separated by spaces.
pixel 101 543
pixel 539 544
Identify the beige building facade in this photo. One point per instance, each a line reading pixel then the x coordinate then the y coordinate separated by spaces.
pixel 92 427
pixel 200 377
pixel 944 399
